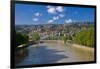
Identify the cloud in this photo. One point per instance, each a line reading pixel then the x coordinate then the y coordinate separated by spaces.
pixel 35 19
pixel 61 15
pixel 68 21
pixel 55 17
pixel 59 9
pixel 52 10
pixel 50 21
pixel 49 6
pixel 37 14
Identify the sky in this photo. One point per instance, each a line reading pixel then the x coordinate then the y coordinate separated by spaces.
pixel 26 14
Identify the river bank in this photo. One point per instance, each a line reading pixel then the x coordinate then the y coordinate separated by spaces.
pixel 74 45
pixel 84 53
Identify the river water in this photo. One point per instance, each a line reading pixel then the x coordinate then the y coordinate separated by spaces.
pixel 54 52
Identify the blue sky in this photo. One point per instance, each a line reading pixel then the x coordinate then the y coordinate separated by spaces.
pixel 45 14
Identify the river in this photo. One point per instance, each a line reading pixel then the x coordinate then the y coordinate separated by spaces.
pixel 55 52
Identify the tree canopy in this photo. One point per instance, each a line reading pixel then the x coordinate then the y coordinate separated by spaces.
pixel 35 37
pixel 85 37
pixel 21 38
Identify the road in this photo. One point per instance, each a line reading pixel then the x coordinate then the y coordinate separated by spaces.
pixel 54 52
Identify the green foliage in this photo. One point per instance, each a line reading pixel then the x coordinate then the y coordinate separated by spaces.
pixel 21 38
pixel 55 37
pixel 35 37
pixel 70 37
pixel 65 38
pixel 52 38
pixel 85 37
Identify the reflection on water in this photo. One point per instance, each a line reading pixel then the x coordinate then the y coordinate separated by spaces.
pixel 20 54
pixel 47 53
pixel 42 55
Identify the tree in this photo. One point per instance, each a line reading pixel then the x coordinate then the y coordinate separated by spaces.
pixel 35 37
pixel 65 39
pixel 21 38
pixel 85 37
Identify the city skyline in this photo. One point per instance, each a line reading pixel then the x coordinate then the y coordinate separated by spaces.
pixel 47 14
